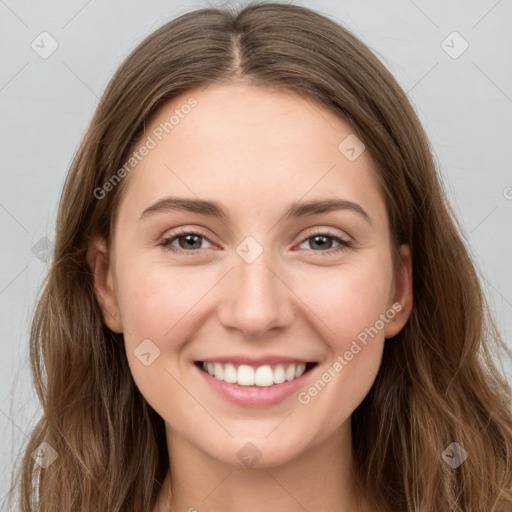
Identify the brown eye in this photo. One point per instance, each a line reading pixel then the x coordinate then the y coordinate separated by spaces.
pixel 188 242
pixel 322 242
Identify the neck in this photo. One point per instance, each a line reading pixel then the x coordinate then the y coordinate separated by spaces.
pixel 320 478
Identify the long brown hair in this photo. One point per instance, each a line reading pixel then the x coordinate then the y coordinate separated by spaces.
pixel 437 383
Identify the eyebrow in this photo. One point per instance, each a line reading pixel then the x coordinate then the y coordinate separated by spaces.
pixel 213 209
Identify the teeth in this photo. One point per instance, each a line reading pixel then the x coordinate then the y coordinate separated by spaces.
pixel 230 374
pixel 301 368
pixel 218 371
pixel 279 377
pixel 290 373
pixel 245 375
pixel 262 376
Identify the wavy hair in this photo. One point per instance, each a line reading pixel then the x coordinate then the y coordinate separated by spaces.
pixel 438 381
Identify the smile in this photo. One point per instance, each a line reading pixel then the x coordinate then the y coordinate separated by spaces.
pixel 261 376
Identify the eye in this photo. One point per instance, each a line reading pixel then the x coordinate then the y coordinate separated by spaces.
pixel 188 242
pixel 323 240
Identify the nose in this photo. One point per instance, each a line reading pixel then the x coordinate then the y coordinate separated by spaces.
pixel 256 298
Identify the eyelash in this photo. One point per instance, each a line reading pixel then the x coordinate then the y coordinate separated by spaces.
pixel 344 244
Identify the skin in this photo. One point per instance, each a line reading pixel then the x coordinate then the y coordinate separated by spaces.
pixel 254 151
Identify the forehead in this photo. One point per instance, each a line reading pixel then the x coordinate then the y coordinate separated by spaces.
pixel 250 147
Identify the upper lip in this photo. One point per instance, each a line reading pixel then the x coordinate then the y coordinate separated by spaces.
pixel 256 361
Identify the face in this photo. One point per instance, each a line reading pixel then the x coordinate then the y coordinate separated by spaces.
pixel 254 281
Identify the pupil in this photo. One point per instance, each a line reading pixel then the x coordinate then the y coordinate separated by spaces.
pixel 189 238
pixel 315 238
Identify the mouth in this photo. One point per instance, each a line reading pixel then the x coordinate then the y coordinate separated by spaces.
pixel 267 375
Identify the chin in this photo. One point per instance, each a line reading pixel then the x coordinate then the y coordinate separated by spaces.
pixel 256 452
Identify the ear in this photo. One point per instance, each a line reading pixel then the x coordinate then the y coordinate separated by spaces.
pixel 99 263
pixel 403 294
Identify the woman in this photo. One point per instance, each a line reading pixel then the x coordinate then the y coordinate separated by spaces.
pixel 264 370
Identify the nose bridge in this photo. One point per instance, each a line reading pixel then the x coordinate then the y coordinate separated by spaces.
pixel 257 300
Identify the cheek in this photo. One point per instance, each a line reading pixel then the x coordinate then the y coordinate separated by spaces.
pixel 155 298
pixel 349 308
pixel 159 304
pixel 347 300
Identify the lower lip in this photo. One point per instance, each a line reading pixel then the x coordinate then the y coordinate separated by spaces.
pixel 255 396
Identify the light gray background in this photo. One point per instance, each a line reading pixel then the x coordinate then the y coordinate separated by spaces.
pixel 465 104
